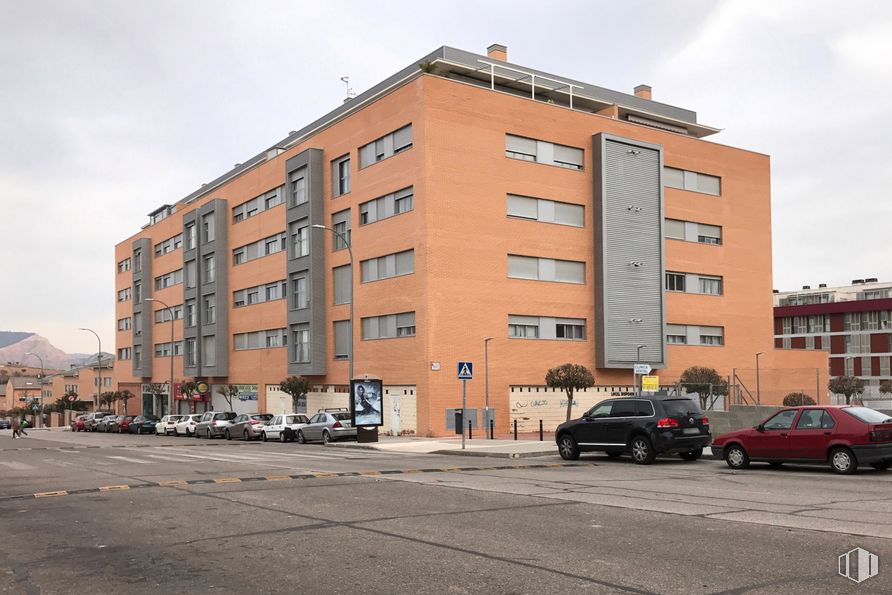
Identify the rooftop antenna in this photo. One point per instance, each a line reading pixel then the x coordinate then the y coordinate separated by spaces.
pixel 350 93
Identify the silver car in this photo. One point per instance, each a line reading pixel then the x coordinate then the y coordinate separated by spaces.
pixel 92 422
pixel 283 427
pixel 247 426
pixel 325 426
pixel 214 423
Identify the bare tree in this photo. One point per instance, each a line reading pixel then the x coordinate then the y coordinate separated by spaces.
pixel 228 392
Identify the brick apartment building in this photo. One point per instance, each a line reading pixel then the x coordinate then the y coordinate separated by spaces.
pixel 851 324
pixel 569 222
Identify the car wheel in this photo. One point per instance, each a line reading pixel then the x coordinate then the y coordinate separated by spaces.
pixel 208 434
pixel 642 451
pixel 188 433
pixel 882 465
pixel 736 457
pixel 776 464
pixel 326 437
pixel 691 455
pixel 283 437
pixel 245 435
pixel 567 448
pixel 300 438
pixel 263 436
pixel 226 434
pixel 139 430
pixel 614 454
pixel 843 461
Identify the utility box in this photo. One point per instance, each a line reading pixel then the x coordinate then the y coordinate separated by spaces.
pixel 459 421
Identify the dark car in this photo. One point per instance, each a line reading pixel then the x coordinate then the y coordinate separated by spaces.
pixel 5 424
pixel 143 424
pixel 842 436
pixel 641 426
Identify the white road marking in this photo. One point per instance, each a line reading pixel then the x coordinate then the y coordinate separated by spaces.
pixel 17 466
pixel 129 460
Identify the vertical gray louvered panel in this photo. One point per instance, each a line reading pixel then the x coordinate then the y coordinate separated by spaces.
pixel 628 229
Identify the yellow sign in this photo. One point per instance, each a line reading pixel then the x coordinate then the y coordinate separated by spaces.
pixel 650 383
pixel 202 387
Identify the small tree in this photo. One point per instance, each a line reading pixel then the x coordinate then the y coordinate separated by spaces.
pixel 107 398
pixel 297 387
pixel 228 392
pixel 570 378
pixel 706 382
pixel 797 399
pixel 885 387
pixel 188 389
pixel 849 386
pixel 126 395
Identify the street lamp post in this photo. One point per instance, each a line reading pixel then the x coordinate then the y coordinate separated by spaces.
pixel 758 388
pixel 352 272
pixel 170 386
pixel 486 341
pixel 638 360
pixel 42 374
pixel 99 358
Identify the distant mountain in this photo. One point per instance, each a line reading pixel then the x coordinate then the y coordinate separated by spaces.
pixel 14 346
pixel 8 338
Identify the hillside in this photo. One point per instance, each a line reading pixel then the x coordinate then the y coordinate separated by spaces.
pixel 8 338
pixel 53 357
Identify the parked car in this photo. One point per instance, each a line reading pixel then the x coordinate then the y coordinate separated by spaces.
pixel 93 419
pixel 214 423
pixel 187 424
pixel 284 427
pixel 143 424
pixel 103 424
pixel 124 424
pixel 77 424
pixel 5 424
pixel 111 423
pixel 641 426
pixel 328 425
pixel 841 436
pixel 247 426
pixel 167 425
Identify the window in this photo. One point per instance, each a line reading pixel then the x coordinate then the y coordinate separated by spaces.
pixel 528 149
pixel 265 247
pixel 209 351
pixel 265 339
pixel 712 335
pixel 124 324
pixel 299 187
pixel 300 339
pixel 137 326
pixel 190 236
pixel 709 234
pixel 814 419
pixel 169 245
pixel 546 327
pixel 340 223
pixel 523 327
pixel 190 352
pixel 123 354
pixel 164 349
pixel 341 339
pixel 781 421
pixel 209 315
pixel 385 267
pixel 137 260
pixel 257 205
pixel 884 366
pixel 190 313
pixel 124 294
pixel 676 334
pixel 389 326
pixel 299 292
pixel 207 223
pixel 300 238
pixel 675 281
pixel 546 211
pixel 342 279
pixel 191 276
pixel 674 229
pixel 711 285
pixel 210 273
pixel 389 205
pixel 137 292
pixel 124 265
pixel 259 293
pixel 137 357
pixel 163 314
pixel 693 181
pixel 340 176
pixel 545 269
pixel 170 279
pixel 566 329
pixel 692 232
pixel 386 146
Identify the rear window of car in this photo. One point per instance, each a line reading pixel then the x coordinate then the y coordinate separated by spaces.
pixel 342 416
pixel 228 415
pixel 264 416
pixel 681 407
pixel 296 419
pixel 868 415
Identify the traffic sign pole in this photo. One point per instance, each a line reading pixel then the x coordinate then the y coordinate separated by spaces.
pixel 464 405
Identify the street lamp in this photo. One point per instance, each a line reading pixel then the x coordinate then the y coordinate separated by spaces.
pixel 42 373
pixel 170 387
pixel 99 358
pixel 352 330
pixel 638 361
pixel 486 341
pixel 758 388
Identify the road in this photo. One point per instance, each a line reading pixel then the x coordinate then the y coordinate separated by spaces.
pixel 140 514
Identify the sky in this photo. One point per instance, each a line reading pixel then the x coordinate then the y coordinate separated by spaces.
pixel 111 109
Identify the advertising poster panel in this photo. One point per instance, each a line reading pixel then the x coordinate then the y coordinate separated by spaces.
pixel 366 402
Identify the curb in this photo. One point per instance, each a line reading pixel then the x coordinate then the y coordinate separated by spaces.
pixel 496 455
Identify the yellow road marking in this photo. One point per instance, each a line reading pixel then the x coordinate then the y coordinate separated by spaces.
pixel 117 488
pixel 173 482
pixel 50 494
pixel 228 480
pixel 277 477
pixel 371 473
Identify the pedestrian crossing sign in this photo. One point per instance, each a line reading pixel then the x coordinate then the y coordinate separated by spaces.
pixel 465 370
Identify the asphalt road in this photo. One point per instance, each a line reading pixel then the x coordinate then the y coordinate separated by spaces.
pixel 140 514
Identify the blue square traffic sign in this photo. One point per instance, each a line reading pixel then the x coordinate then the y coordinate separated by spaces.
pixel 465 370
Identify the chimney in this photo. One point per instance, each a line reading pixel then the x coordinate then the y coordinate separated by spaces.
pixel 857 281
pixel 643 91
pixel 498 51
pixel 806 287
pixel 822 285
pixel 871 280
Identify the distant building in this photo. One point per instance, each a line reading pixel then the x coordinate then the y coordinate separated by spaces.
pixel 852 323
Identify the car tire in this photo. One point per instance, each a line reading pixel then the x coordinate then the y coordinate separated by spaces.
pixel 139 430
pixel 300 438
pixel 326 437
pixel 246 436
pixel 691 455
pixel 776 464
pixel 643 452
pixel 736 457
pixel 207 434
pixel 567 447
pixel 843 461
pixel 881 465
pixel 283 437
pixel 614 454
pixel 227 435
pixel 263 437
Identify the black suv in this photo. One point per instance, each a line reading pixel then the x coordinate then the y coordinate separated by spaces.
pixel 642 426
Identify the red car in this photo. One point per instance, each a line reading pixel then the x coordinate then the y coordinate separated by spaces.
pixel 124 426
pixel 842 436
pixel 77 424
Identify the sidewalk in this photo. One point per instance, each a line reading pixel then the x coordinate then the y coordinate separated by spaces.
pixel 478 447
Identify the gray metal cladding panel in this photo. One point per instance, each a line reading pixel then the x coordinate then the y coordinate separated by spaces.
pixel 143 310
pixel 629 243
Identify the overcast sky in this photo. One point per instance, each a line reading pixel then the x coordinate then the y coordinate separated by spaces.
pixel 111 109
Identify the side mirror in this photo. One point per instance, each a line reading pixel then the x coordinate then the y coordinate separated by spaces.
pixel 760 428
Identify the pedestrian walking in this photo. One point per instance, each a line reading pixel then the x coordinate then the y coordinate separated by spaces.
pixel 22 427
pixel 16 427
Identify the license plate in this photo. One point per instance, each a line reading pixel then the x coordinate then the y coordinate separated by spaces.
pixel 692 430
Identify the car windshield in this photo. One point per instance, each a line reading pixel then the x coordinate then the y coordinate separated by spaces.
pixel 868 415
pixel 681 407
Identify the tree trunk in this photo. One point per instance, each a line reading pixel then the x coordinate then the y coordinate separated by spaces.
pixel 569 403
